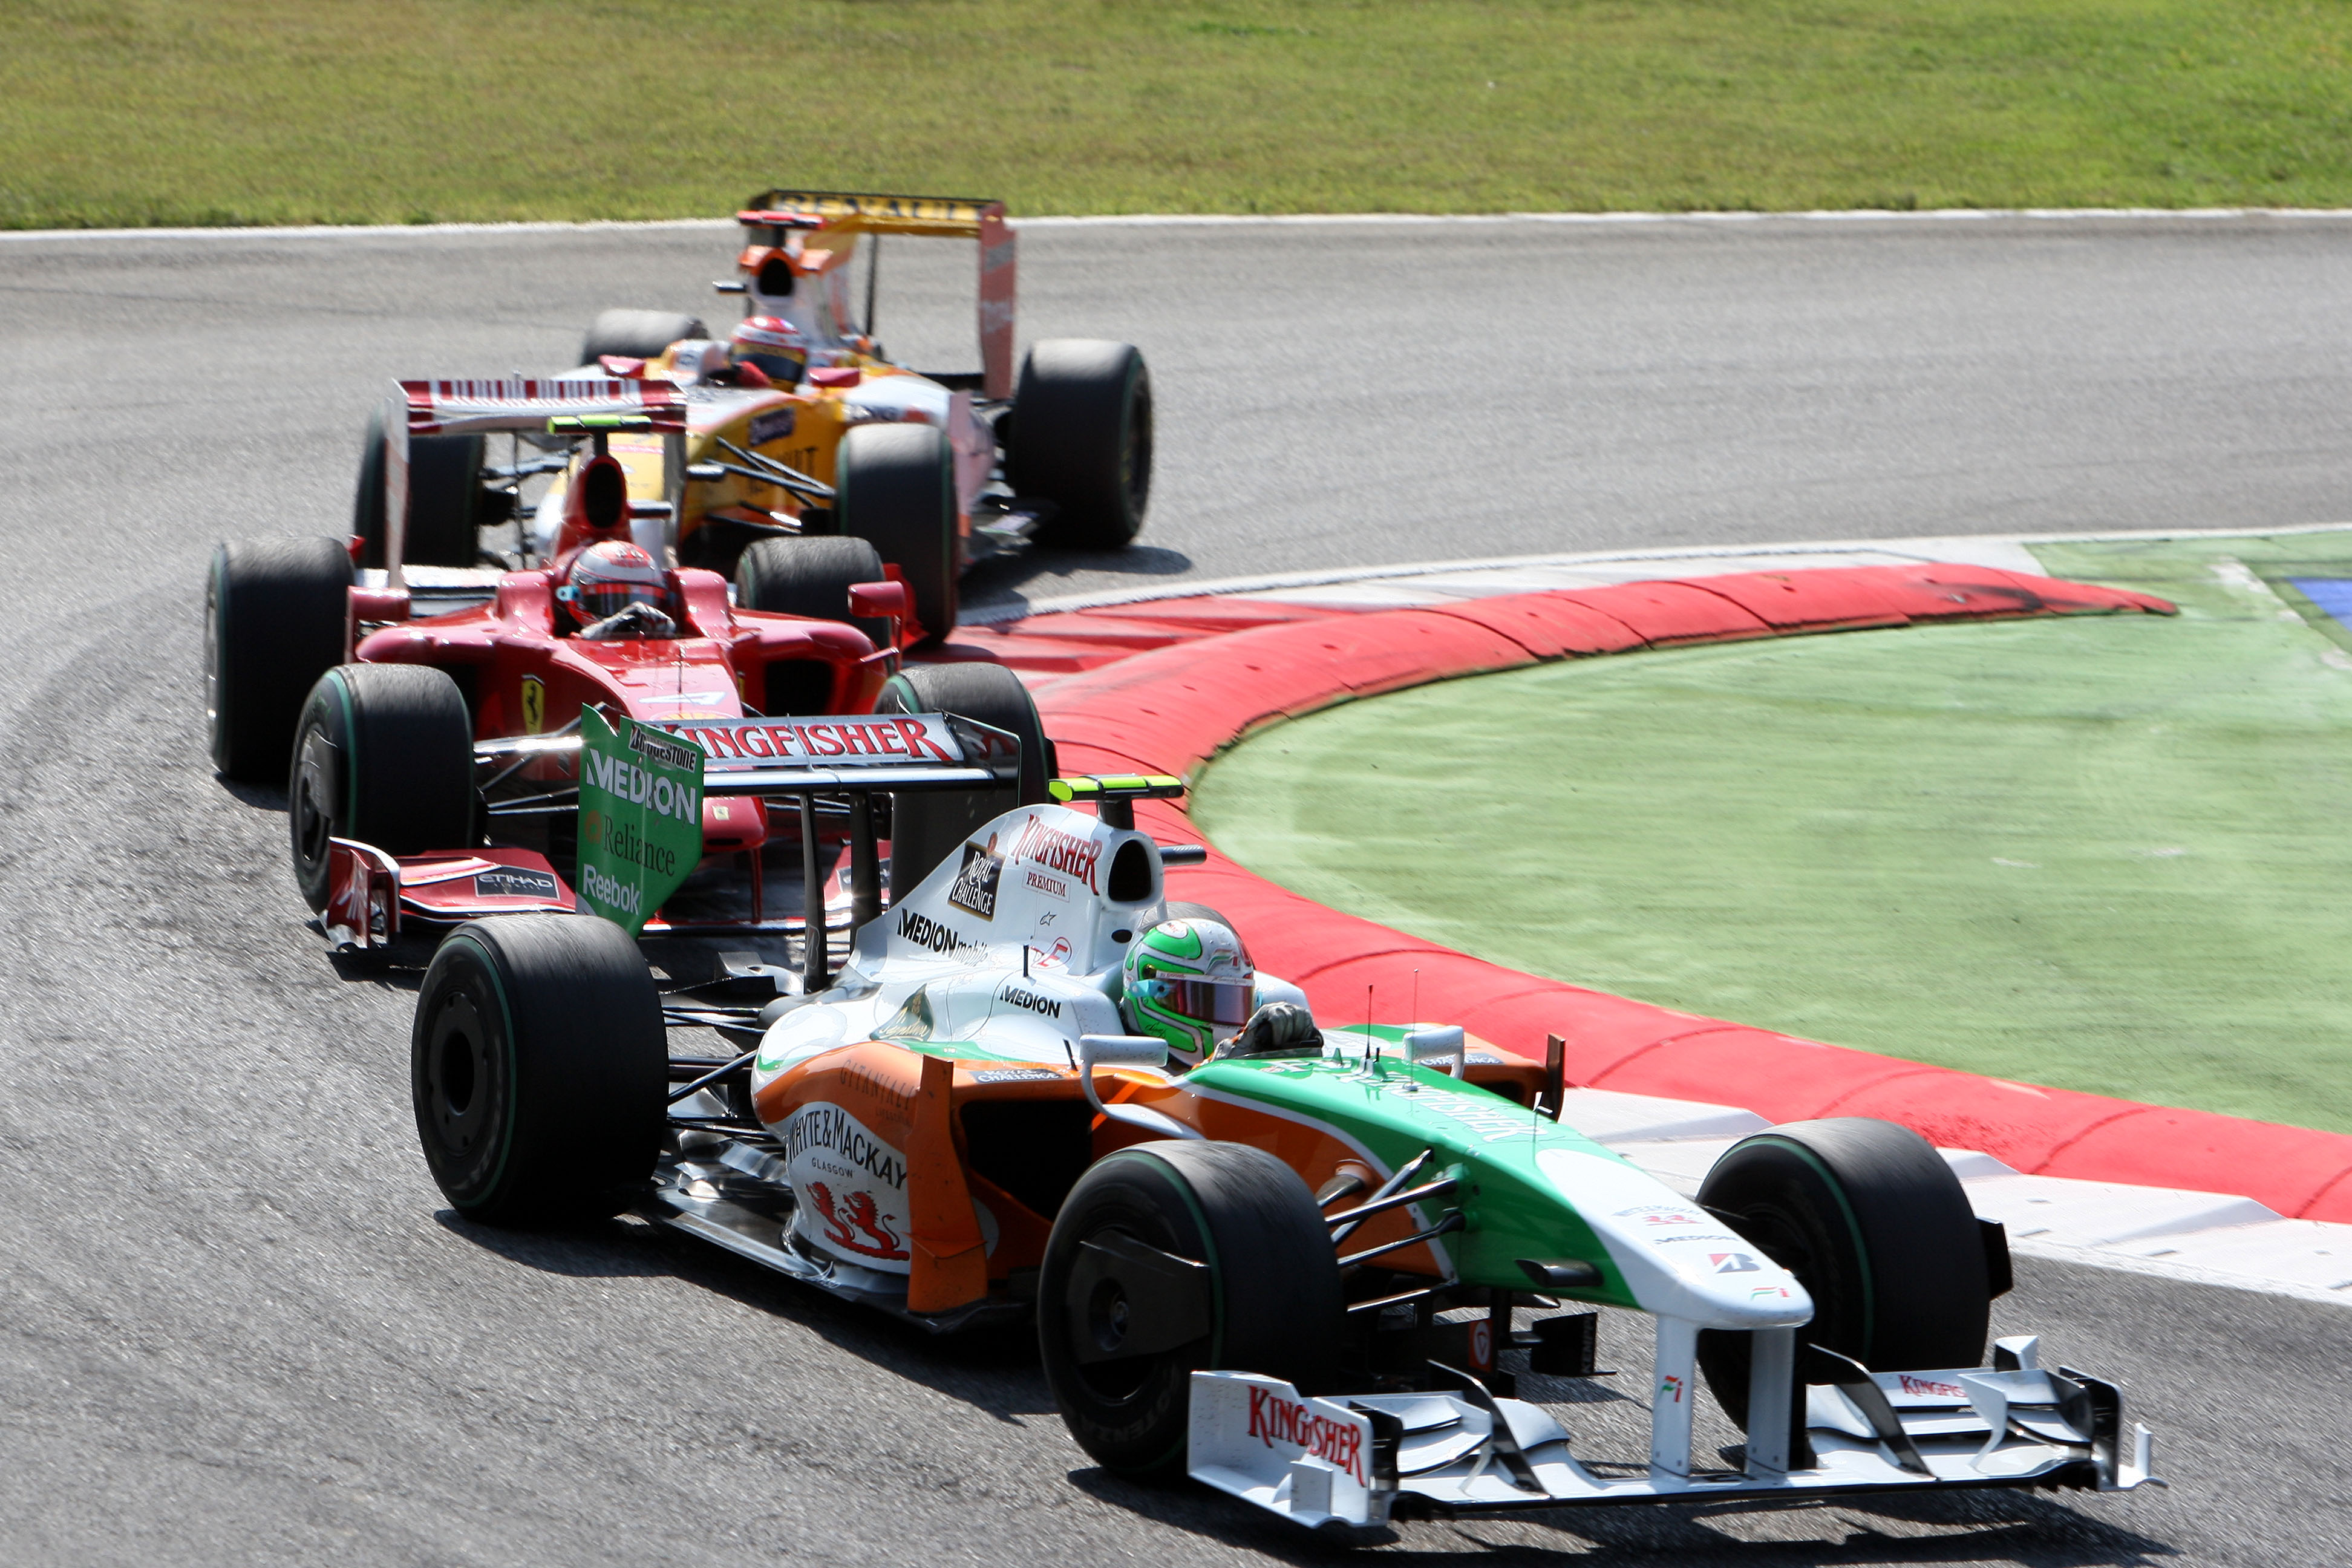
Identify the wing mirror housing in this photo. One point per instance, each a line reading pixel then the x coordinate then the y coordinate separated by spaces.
pixel 1439 1047
pixel 876 600
pixel 1127 1051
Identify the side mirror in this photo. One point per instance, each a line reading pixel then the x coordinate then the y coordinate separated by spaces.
pixel 876 600
pixel 1431 1047
pixel 1127 1051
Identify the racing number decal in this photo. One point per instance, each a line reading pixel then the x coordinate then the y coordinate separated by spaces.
pixel 534 704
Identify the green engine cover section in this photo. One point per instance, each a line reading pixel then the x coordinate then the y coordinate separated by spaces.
pixel 640 818
pixel 1510 1209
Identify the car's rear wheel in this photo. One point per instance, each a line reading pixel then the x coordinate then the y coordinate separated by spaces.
pixel 447 504
pixel 384 754
pixel 273 614
pixel 1081 438
pixel 538 1065
pixel 896 488
pixel 928 826
pixel 812 577
pixel 637 334
pixel 1168 1259
pixel 1872 1221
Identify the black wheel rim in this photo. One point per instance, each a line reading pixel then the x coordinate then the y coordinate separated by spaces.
pixel 459 1092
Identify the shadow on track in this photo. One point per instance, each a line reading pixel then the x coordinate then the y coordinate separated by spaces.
pixel 1969 1528
pixel 992 1369
pixel 994 586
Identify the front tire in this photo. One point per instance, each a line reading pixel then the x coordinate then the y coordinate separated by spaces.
pixel 895 488
pixel 384 754
pixel 538 1065
pixel 1082 439
pixel 1869 1218
pixel 928 826
pixel 1273 1302
pixel 273 614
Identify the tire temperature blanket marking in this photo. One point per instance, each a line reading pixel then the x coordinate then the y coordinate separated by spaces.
pixel 640 818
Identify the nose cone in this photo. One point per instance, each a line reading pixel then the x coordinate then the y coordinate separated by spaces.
pixel 1678 1261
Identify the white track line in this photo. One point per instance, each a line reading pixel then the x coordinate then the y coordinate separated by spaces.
pixel 1191 220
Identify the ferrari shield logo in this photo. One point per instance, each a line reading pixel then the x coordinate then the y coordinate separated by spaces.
pixel 534 704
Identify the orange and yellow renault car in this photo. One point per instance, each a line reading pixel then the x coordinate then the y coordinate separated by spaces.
pixel 799 426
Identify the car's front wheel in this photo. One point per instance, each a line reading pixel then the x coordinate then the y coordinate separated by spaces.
pixel 1168 1259
pixel 1872 1223
pixel 384 754
pixel 538 1065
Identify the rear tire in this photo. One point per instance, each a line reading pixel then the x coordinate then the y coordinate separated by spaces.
pixel 1082 439
pixel 274 614
pixel 637 334
pixel 812 577
pixel 1274 1282
pixel 1869 1218
pixel 538 1067
pixel 448 506
pixel 896 488
pixel 384 754
pixel 925 827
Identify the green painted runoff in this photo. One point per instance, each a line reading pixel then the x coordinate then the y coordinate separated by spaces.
pixel 2108 853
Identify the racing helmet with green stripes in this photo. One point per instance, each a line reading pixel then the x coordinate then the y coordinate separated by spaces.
pixel 1189 983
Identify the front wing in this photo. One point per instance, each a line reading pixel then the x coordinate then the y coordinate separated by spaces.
pixel 1350 1460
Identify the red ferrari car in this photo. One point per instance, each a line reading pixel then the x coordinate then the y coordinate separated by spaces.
pixel 430 714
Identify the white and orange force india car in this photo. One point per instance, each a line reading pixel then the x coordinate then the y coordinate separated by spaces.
pixel 920 475
pixel 1294 1271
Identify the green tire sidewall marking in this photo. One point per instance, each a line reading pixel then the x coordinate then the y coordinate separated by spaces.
pixel 507 1037
pixel 1853 1233
pixel 348 762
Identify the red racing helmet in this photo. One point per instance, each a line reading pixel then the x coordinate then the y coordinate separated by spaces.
pixel 608 578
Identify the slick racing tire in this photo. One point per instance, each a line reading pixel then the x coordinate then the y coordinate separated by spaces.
pixel 928 826
pixel 895 488
pixel 1872 1221
pixel 1121 1331
pixel 447 504
pixel 637 334
pixel 539 1068
pixel 384 754
pixel 1081 438
pixel 274 617
pixel 812 577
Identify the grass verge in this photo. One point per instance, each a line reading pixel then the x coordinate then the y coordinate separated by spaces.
pixel 2105 854
pixel 124 112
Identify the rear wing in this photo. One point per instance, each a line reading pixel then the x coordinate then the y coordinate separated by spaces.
pixel 580 406
pixel 769 215
pixel 643 783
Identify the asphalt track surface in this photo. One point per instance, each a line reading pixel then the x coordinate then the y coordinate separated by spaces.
pixel 237 1322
